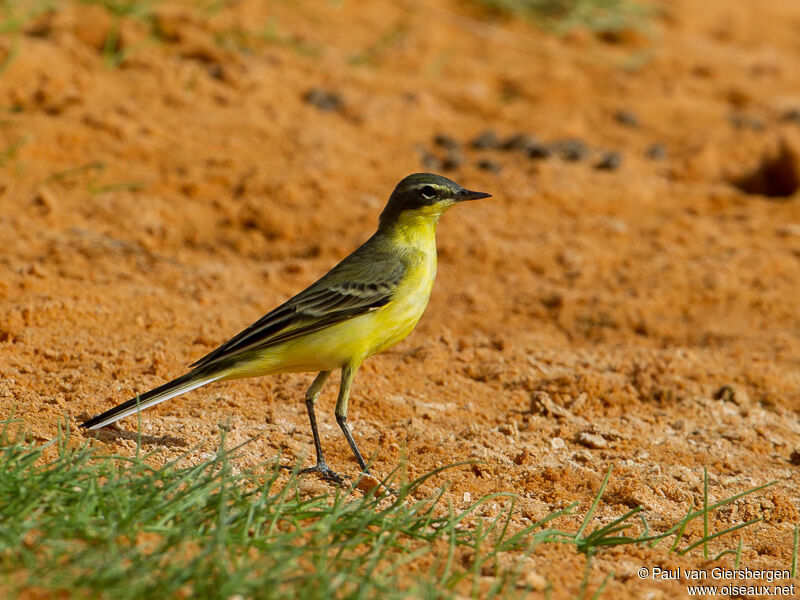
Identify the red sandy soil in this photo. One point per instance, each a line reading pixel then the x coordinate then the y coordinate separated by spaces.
pixel 581 318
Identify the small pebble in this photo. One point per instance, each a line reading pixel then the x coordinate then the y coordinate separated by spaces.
pixel 733 393
pixel 543 404
pixel 467 497
pixel 557 443
pixel 610 161
pixel 445 141
pixel 656 151
pixel 740 121
pixel 537 150
pixel 788 230
pixel 792 115
pixel 323 99
pixel 582 456
pixel 571 149
pixel 45 198
pixel 627 118
pixel 794 458
pixel 591 440
pixel 452 161
pixel 367 483
pixel 615 225
pixel 518 141
pixel 40 26
pixel 486 164
pixel 430 161
pixel 532 581
pixel 486 140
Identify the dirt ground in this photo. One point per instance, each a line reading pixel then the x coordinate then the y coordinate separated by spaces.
pixel 157 194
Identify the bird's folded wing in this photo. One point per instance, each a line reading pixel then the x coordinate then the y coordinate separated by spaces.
pixel 330 300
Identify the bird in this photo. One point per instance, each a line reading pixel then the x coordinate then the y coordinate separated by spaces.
pixel 365 304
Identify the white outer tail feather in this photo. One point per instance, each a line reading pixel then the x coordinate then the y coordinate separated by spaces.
pixel 177 391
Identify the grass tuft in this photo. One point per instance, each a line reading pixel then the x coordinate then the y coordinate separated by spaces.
pixel 85 524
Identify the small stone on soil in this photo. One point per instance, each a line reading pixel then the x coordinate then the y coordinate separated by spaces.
pixel 532 581
pixel 485 140
pixel 368 483
pixel 627 118
pixel 610 161
pixel 733 393
pixel 486 164
pixel 792 115
pixel 582 456
pixel 571 149
pixel 776 176
pixel 537 150
pixel 543 404
pixel 430 161
pixel 656 151
pixel 452 161
pixel 591 440
pixel 788 230
pixel 445 141
pixel 740 121
pixel 518 141
pixel 323 99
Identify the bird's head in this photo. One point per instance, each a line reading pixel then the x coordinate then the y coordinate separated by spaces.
pixel 424 196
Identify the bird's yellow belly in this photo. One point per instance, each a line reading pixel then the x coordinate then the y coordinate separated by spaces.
pixel 349 342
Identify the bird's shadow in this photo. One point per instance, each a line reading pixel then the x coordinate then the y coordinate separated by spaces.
pixel 111 434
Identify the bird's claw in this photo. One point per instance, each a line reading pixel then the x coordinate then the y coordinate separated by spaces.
pixel 325 473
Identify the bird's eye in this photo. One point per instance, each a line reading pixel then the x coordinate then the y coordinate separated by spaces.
pixel 427 192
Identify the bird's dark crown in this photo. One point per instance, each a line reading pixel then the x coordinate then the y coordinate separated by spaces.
pixel 422 190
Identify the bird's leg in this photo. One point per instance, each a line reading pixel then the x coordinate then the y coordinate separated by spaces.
pixel 348 372
pixel 311 398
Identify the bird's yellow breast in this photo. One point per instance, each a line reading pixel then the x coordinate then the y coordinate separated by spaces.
pixel 395 321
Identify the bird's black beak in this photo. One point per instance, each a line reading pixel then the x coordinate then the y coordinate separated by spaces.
pixel 464 195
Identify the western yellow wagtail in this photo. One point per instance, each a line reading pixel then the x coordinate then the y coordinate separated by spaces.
pixel 365 304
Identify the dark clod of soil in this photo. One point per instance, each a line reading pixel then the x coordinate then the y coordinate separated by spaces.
pixel 430 161
pixel 324 99
pixel 571 149
pixel 627 118
pixel 538 150
pixel 518 141
pixel 776 176
pixel 656 151
pixel 791 116
pixel 794 458
pixel 741 121
pixel 725 393
pixel 610 161
pixel 486 164
pixel 453 161
pixel 445 141
pixel 486 140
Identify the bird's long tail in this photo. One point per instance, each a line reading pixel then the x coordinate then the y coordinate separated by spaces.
pixel 176 387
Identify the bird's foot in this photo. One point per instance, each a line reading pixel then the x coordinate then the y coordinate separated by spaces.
pixel 325 473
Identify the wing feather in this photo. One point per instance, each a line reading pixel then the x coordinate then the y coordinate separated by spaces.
pixel 364 282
